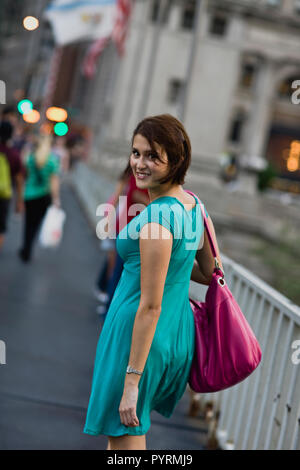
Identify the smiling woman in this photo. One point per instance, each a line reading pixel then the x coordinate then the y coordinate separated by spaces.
pixel 147 343
pixel 163 139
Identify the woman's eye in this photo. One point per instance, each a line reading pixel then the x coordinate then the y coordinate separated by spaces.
pixel 152 156
pixel 135 152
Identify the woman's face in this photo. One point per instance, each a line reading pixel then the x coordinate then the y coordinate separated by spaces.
pixel 146 165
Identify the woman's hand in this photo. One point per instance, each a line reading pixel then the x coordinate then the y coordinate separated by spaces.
pixel 127 408
pixel 56 202
pixel 19 209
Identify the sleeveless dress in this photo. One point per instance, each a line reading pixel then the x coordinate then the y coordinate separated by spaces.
pixel 167 368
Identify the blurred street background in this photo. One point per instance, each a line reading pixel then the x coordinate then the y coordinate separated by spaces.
pixel 83 74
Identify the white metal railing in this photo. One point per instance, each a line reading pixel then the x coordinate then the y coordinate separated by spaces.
pixel 263 411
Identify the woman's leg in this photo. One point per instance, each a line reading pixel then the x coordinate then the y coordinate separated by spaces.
pixel 102 277
pixel 127 442
pixel 35 210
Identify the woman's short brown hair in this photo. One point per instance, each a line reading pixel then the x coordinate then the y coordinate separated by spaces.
pixel 166 131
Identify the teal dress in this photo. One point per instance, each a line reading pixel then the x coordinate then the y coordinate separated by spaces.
pixel 167 368
pixel 38 180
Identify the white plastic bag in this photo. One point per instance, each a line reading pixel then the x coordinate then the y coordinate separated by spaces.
pixel 52 227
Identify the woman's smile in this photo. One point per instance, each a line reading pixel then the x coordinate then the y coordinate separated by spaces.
pixel 142 176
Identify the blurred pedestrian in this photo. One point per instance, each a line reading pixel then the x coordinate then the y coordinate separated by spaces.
pixel 11 175
pixel 108 245
pixel 21 130
pixel 76 147
pixel 108 280
pixel 41 190
pixel 61 152
pixel 229 171
pixel 146 346
pixel 9 114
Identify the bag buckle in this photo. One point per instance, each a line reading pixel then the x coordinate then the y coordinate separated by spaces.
pixel 221 281
pixel 217 265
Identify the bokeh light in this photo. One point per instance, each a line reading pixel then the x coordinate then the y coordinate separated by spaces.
pixel 56 114
pixel 61 128
pixel 25 106
pixel 30 23
pixel 32 117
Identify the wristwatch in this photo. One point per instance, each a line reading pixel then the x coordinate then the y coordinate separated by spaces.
pixel 131 370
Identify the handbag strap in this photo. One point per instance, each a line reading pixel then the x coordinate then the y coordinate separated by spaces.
pixel 210 238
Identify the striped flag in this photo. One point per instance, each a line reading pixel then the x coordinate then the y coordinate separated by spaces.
pixel 118 36
pixel 78 20
pixel 90 59
pixel 121 25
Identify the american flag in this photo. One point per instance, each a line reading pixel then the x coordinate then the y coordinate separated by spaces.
pixel 118 35
pixel 122 19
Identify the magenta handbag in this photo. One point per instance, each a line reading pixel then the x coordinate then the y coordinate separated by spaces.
pixel 226 349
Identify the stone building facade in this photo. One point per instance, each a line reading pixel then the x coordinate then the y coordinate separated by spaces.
pixel 225 67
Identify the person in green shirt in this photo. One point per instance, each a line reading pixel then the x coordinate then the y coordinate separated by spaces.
pixel 41 190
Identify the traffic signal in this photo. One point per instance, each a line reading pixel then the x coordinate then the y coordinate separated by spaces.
pixel 25 106
pixel 61 128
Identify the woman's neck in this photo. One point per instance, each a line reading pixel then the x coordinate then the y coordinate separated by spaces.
pixel 174 191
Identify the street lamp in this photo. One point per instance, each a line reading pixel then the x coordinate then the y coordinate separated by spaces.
pixel 30 23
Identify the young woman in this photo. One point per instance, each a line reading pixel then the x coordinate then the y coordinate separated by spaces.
pixel 146 346
pixel 41 190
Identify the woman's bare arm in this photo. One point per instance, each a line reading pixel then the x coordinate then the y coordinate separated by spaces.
pixel 54 188
pixel 155 257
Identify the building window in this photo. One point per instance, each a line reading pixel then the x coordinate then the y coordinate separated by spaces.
pixel 10 17
pixel 274 3
pixel 188 14
pixel 218 25
pixel 297 6
pixel 155 12
pixel 248 73
pixel 174 90
pixel 235 132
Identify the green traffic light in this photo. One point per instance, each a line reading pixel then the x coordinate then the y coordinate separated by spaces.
pixel 61 128
pixel 25 106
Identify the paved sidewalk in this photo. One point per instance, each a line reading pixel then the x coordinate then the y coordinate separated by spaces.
pixel 49 325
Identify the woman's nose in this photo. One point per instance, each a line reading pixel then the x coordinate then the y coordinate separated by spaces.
pixel 141 163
